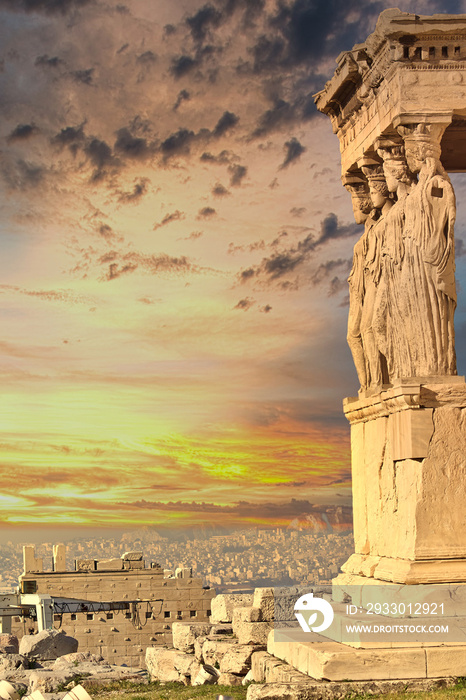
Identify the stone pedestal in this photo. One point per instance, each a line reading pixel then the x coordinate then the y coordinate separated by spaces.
pixel 408 445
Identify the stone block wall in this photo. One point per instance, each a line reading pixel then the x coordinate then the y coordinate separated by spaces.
pixel 121 636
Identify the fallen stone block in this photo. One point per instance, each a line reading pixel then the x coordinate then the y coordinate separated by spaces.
pixel 48 681
pixel 264 600
pixel 229 679
pixel 12 662
pixel 9 644
pixel 222 605
pixel 48 644
pixel 79 657
pixel 185 634
pixel 213 651
pixel 253 633
pixel 258 665
pixel 167 665
pixel 237 659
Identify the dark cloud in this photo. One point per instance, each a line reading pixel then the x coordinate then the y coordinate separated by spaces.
pixel 222 158
pixel 286 260
pixel 132 146
pixel 266 309
pixel 83 76
pixel 293 151
pixel 108 233
pixel 206 213
pixel 169 29
pixel 168 218
pixel 182 95
pixel 138 191
pixel 178 143
pixel 22 132
pixel 227 121
pixel 47 6
pixel 244 304
pixel 281 114
pixel 71 136
pixel 204 19
pixel 23 175
pixel 220 191
pixel 148 57
pixel 100 155
pixel 118 264
pixel 297 211
pixel 182 65
pixel 237 173
pixel 49 62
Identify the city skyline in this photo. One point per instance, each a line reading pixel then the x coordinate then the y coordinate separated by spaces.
pixel 176 243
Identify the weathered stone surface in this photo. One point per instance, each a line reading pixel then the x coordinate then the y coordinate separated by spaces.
pixel 79 657
pixel 12 662
pixel 253 633
pixel 223 605
pixel 214 651
pixel 241 615
pixel 48 644
pixel 48 681
pixel 109 565
pixel 229 679
pixel 185 634
pixel 9 644
pixel 323 690
pixel 170 665
pixel 264 601
pixel 258 660
pixel 237 659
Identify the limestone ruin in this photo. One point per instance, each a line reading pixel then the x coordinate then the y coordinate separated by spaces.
pixel 397 103
pixel 121 636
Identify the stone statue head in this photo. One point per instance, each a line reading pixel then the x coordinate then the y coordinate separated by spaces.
pixel 395 166
pixel 379 193
pixel 421 144
pixel 358 187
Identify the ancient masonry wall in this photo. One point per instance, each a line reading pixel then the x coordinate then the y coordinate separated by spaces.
pixel 121 636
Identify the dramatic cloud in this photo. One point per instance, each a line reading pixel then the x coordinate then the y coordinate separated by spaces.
pixel 227 121
pixel 237 174
pixel 286 260
pixel 23 132
pixel 293 151
pixel 206 213
pixel 47 6
pixel 183 95
pixel 244 304
pixel 220 191
pixel 168 218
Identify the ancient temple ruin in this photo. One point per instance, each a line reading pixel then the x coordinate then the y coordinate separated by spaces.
pixel 397 103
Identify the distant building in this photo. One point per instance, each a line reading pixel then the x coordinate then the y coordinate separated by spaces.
pixel 156 598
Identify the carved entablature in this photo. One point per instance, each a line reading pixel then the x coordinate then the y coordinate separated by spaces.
pixel 411 67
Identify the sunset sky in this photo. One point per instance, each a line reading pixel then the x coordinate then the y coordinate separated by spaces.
pixel 175 244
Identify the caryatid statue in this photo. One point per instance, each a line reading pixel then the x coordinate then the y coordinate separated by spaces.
pixel 399 98
pixel 406 255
